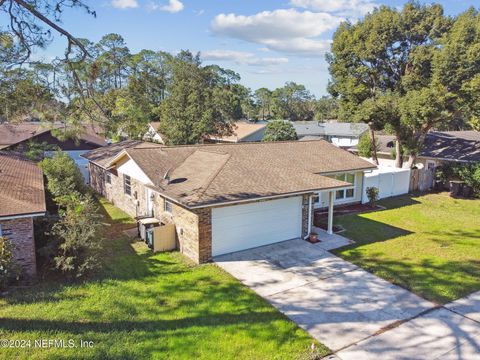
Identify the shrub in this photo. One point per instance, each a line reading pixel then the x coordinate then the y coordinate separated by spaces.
pixel 77 234
pixel 279 130
pixel 365 146
pixel 372 194
pixel 468 173
pixel 63 176
pixel 8 270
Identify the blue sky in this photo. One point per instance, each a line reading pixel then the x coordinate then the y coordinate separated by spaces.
pixel 268 42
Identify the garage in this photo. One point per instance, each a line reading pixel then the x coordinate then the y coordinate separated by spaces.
pixel 240 227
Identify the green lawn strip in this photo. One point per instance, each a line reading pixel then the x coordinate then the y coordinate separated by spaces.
pixel 429 244
pixel 145 305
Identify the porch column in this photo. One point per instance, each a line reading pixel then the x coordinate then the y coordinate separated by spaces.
pixel 331 197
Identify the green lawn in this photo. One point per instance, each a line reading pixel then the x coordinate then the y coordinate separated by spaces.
pixel 150 306
pixel 429 244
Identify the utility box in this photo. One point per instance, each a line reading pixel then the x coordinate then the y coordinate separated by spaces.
pixel 164 238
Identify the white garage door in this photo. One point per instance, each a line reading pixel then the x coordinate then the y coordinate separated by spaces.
pixel 240 227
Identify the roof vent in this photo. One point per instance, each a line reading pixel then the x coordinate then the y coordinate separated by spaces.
pixel 166 177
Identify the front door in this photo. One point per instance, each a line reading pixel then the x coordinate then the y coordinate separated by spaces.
pixel 149 194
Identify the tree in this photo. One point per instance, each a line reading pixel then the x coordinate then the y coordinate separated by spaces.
pixel 77 235
pixel 326 108
pixel 263 100
pixel 365 146
pixel 32 22
pixel 293 102
pixel 387 54
pixel 63 176
pixel 198 103
pixel 279 130
pixel 456 66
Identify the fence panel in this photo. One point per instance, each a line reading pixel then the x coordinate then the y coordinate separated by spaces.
pixel 389 181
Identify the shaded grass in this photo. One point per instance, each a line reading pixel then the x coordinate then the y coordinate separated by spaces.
pixel 145 305
pixel 428 244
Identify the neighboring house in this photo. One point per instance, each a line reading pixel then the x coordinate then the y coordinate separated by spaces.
pixel 224 198
pixel 17 136
pixel 439 147
pixel 22 197
pixel 242 132
pixel 153 134
pixel 343 135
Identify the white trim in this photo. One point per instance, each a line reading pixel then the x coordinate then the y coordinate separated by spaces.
pixel 263 197
pixel 21 216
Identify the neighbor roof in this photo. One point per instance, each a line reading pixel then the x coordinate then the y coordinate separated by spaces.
pixel 461 146
pixel 241 130
pixel 204 175
pixel 21 186
pixel 11 134
pixel 315 128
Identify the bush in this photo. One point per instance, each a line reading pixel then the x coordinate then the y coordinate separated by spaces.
pixel 63 176
pixel 372 194
pixel 468 173
pixel 365 146
pixel 77 236
pixel 279 130
pixel 8 269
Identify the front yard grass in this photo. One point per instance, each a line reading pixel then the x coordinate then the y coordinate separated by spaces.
pixel 144 306
pixel 429 244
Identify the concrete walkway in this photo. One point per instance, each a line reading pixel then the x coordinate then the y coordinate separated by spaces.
pixel 338 303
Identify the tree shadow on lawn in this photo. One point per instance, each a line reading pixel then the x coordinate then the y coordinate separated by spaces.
pixel 435 279
pixel 365 231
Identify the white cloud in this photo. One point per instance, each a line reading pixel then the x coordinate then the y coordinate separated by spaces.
pixel 124 4
pixel 350 8
pixel 173 6
pixel 242 58
pixel 285 30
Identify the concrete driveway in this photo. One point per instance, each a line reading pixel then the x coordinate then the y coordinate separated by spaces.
pixel 338 303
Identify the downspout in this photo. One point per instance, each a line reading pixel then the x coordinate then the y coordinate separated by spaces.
pixel 309 228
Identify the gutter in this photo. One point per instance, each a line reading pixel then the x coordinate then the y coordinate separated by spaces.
pixel 11 217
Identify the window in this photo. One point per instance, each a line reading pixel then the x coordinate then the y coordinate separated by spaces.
pixel 346 193
pixel 316 198
pixel 108 177
pixel 168 207
pixel 127 185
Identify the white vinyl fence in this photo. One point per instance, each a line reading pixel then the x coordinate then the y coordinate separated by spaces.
pixel 389 181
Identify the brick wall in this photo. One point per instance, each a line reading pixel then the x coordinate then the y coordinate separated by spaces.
pixel 20 232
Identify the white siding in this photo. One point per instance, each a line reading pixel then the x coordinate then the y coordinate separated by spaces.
pixel 131 169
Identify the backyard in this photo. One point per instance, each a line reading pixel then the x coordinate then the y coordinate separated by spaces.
pixel 429 244
pixel 149 306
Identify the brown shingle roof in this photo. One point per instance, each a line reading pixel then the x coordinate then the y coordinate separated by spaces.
pixel 11 134
pixel 21 186
pixel 209 174
pixel 240 131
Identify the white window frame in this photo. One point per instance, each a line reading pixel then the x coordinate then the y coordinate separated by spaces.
pixel 344 190
pixel 129 193
pixel 108 177
pixel 167 206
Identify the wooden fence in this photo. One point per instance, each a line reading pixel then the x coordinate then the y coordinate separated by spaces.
pixel 421 179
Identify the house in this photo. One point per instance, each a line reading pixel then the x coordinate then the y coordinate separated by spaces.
pixel 16 137
pixel 224 198
pixel 242 132
pixel 153 134
pixel 344 135
pixel 22 198
pixel 439 147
